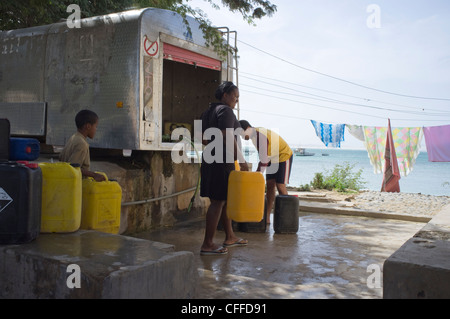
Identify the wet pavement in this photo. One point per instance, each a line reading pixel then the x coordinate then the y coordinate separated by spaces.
pixel 331 256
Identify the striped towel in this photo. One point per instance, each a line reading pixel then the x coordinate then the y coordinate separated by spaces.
pixel 331 134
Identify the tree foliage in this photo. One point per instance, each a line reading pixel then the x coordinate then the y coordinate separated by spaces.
pixel 28 13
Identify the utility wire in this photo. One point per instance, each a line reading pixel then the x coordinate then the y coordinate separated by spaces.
pixel 342 80
pixel 326 107
pixel 255 77
pixel 324 99
pixel 321 106
pixel 306 119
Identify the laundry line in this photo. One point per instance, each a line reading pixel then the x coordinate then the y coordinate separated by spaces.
pixel 407 141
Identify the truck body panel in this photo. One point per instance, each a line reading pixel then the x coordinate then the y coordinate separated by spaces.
pixel 142 71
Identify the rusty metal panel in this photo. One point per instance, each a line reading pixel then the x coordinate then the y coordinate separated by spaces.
pixel 110 65
pixel 159 28
pixel 94 67
pixel 177 54
pixel 22 64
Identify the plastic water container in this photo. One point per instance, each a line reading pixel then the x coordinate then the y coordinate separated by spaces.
pixel 20 202
pixel 245 202
pixel 101 207
pixel 24 149
pixel 285 219
pixel 4 139
pixel 260 227
pixel 61 198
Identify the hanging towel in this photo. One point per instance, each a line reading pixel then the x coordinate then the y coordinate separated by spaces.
pixel 331 134
pixel 407 141
pixel 437 140
pixel 391 175
pixel 375 139
pixel 356 130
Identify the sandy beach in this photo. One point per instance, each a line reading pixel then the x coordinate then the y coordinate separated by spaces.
pixel 400 203
pixel 415 204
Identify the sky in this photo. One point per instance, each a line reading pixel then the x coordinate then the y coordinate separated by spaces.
pixel 342 62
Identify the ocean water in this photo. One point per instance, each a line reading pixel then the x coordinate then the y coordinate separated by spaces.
pixel 426 178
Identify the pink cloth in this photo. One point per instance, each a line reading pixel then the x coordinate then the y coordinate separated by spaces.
pixel 391 172
pixel 437 139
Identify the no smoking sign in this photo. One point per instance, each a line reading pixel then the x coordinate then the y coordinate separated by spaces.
pixel 151 48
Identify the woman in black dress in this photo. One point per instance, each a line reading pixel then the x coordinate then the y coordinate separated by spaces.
pixel 220 118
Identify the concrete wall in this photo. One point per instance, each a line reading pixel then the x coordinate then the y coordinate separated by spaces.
pixel 420 269
pixel 114 266
pixel 148 175
pixel 108 267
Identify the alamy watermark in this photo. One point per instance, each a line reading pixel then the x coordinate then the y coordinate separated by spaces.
pixel 74 279
pixel 374 279
pixel 374 19
pixel 216 151
pixel 74 20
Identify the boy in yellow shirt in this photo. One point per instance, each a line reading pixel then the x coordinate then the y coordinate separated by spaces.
pixel 76 150
pixel 275 156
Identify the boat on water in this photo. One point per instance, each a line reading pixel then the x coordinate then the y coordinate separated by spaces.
pixel 302 152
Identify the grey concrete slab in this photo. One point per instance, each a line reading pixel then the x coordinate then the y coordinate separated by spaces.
pixel 331 256
pixel 336 209
pixel 420 269
pixel 90 264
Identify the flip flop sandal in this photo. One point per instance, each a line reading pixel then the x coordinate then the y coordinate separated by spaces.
pixel 217 252
pixel 239 243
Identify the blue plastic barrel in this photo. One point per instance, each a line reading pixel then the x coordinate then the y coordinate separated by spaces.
pixel 24 149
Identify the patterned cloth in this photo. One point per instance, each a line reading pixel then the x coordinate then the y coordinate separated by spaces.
pixel 356 130
pixel 407 142
pixel 330 134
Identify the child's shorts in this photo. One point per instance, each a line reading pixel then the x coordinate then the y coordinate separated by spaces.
pixel 281 172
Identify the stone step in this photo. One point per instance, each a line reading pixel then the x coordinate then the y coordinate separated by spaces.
pixel 90 264
pixel 420 269
pixel 321 199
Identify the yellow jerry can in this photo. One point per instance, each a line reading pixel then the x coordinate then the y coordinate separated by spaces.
pixel 61 198
pixel 101 205
pixel 245 203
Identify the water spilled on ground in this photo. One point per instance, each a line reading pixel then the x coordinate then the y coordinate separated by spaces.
pixel 327 258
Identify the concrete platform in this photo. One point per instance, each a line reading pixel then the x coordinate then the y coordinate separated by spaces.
pixel 330 257
pixel 420 269
pixel 89 264
pixel 336 209
pixel 333 255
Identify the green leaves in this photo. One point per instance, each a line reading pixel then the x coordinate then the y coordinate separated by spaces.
pixel 341 178
pixel 251 10
pixel 28 13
